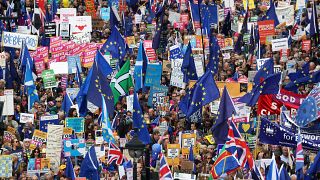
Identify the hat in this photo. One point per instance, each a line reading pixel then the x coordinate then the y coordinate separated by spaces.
pixel 62 167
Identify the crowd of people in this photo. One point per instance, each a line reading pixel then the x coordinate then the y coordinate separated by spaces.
pixel 235 65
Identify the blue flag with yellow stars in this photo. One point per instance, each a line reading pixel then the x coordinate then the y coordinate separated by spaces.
pixel 202 93
pixel 271 14
pixel 156 37
pixel 300 73
pixel 269 86
pixel 188 67
pixel 309 110
pixel 44 124
pixel 265 71
pixel 311 78
pixel 226 109
pixel 99 85
pixel 139 122
pixel 213 64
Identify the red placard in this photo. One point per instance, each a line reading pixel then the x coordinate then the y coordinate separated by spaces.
pixel 39 64
pixel 151 54
pixel 266 28
pixel 306 45
pixel 90 8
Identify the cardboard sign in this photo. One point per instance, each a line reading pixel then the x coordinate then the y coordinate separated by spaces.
pixel 50 29
pixel 49 79
pixel 8 107
pixel 79 24
pixel 80 38
pixel 10 39
pixel 266 28
pixel 186 141
pixel 64 30
pixel 173 153
pixel 25 118
pixel 38 139
pixel 77 124
pixel 279 44
pixel 74 147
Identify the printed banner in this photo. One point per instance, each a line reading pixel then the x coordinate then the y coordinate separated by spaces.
pixel 77 124
pixel 279 44
pixel 10 39
pixel 74 147
pixel 266 28
pixel 49 79
pixel 25 118
pixel 38 138
pixel 285 15
pixel 54 145
pixel 153 75
pixel 173 154
pixel 271 104
pixel 79 24
pixel 6 166
pixel 176 73
pixel 8 107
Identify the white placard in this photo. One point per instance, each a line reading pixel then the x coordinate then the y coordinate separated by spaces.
pixel 99 137
pixel 199 65
pixel 92 108
pixel 130 103
pixel 81 38
pixel 137 18
pixel 3 59
pixel 8 108
pixel 25 118
pixel 65 13
pixel 279 44
pixel 285 14
pixel 24 30
pixel 10 39
pixel 54 145
pixel 260 62
pixel 174 17
pixel 79 24
pixel 49 117
pixel 59 67
pixel 229 4
pixel 176 73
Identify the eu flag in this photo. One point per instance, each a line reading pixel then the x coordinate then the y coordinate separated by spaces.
pixel 90 166
pixel 273 172
pixel 213 64
pixel 300 73
pixel 69 172
pixel 139 122
pixel 66 104
pixel 208 15
pixel 103 65
pixel 308 111
pixel 44 124
pixel 226 109
pixel 82 95
pixel 311 78
pixel 226 28
pixel 188 66
pixel 265 71
pixel 156 38
pixel 271 14
pixel 314 167
pixel 203 92
pixel 314 26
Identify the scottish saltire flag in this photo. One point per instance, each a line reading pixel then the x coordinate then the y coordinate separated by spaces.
pixel 139 122
pixel 225 163
pixel 271 14
pixel 309 110
pixel 314 26
pixel 105 123
pixel 266 70
pixel 299 154
pixel 122 81
pixel 140 67
pixel 114 154
pixel 256 174
pixel 188 67
pixel 269 86
pixel 24 57
pixel 202 93
pixel 273 173
pixel 90 165
pixel 283 173
pixel 164 171
pixel 226 109
pixel 29 84
pixel 69 172
pixel 214 48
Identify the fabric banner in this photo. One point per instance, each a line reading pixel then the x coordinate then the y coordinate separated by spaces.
pixel 38 139
pixel 285 15
pixel 271 104
pixel 54 145
pixel 266 28
pixel 74 147
pixel 77 124
pixel 271 133
pixel 153 75
pixel 10 39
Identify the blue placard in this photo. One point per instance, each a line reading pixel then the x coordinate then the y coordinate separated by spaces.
pixel 74 147
pixel 45 120
pixel 156 89
pixel 77 124
pixel 105 13
pixel 153 75
pixel 72 62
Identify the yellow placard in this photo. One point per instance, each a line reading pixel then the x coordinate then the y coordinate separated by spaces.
pixel 11 130
pixel 131 41
pixel 173 152
pixel 210 139
pixel 45 163
pixel 38 138
pixel 187 140
pixel 67 130
pixel 250 5
pixel 235 89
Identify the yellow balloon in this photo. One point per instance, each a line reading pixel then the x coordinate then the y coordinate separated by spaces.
pixel 65 3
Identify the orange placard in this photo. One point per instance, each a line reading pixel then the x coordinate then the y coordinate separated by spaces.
pixel 266 28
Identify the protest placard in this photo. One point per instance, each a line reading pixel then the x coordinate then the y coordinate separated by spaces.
pixel 15 40
pixel 77 124
pixel 153 75
pixel 46 120
pixel 73 62
pixel 38 139
pixel 26 118
pixel 105 13
pixel 3 59
pixel 49 79
pixel 235 89
pixel 59 67
pixel 174 17
pixel 40 65
pixel 266 28
pixel 65 13
pixel 8 108
pixel 285 15
pixel 74 147
pixel 50 29
pixel 6 166
pixel 79 38
pixel 306 45
pixel 131 41
pixel 8 136
pixel 279 44
pixel 260 62
pixel 98 137
pixel 173 153
pixel 186 141
pixel 176 73
pixel 130 103
pixel 54 145
pixel 79 24
pixel 67 133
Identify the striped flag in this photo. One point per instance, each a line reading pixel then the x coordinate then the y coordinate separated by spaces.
pixel 299 154
pixel 114 154
pixel 164 171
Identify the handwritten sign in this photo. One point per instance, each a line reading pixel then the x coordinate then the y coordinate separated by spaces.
pixel 8 108
pixel 79 38
pixel 25 118
pixel 15 40
pixel 79 24
pixel 54 145
pixel 77 124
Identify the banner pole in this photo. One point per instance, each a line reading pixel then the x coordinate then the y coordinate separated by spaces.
pixel 257 134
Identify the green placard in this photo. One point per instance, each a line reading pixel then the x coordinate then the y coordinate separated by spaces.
pixel 49 79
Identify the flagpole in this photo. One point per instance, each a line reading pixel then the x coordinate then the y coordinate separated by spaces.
pixel 257 134
pixel 204 60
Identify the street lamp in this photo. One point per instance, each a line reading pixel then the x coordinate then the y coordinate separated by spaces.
pixel 136 149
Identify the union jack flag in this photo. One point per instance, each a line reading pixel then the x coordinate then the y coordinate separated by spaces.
pixel 238 147
pixel 164 172
pixel 114 154
pixel 299 154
